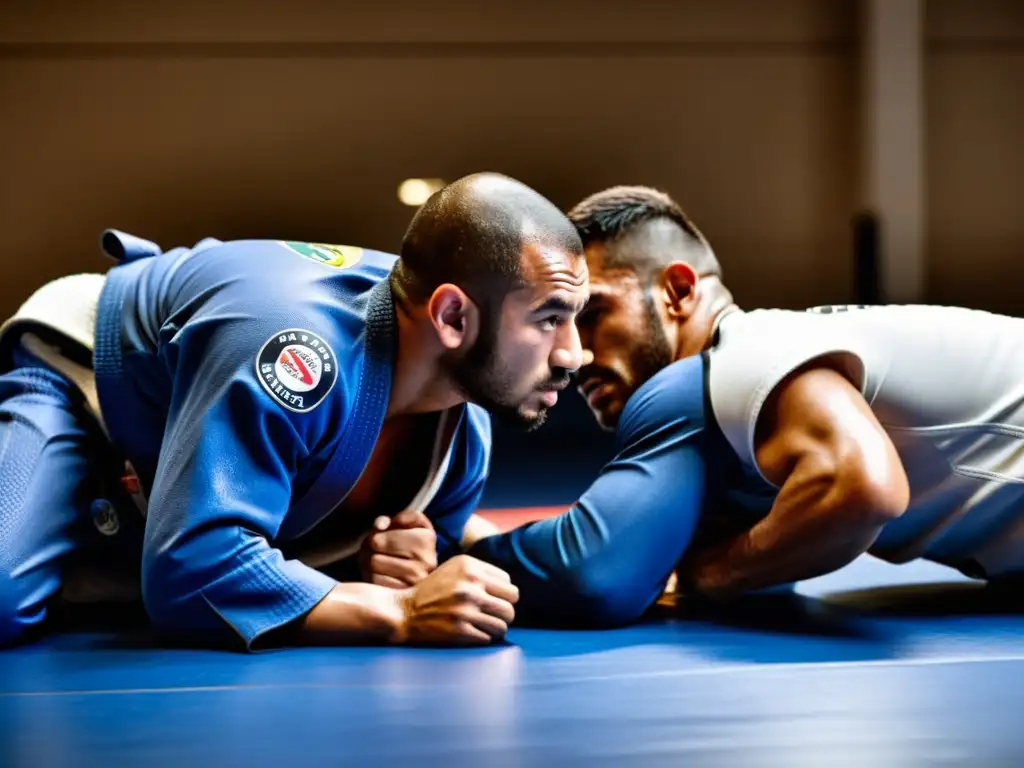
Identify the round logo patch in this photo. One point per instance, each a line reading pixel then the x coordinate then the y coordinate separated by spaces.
pixel 297 368
pixel 104 517
pixel 340 256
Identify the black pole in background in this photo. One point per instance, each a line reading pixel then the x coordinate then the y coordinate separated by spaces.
pixel 867 280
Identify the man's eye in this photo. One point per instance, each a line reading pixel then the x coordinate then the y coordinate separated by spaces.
pixel 549 323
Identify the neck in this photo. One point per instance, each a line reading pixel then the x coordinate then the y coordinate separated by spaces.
pixel 419 383
pixel 701 327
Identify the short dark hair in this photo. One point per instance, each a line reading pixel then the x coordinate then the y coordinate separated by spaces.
pixel 472 233
pixel 619 211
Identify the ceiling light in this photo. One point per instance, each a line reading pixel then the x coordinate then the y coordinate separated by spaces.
pixel 415 192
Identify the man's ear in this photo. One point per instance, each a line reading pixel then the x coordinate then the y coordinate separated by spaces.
pixel 679 289
pixel 454 315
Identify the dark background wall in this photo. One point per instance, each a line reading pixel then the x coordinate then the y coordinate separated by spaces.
pixel 180 120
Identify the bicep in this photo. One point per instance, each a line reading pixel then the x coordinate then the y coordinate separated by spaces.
pixel 229 451
pixel 817 423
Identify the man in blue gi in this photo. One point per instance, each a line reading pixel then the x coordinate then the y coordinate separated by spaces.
pixel 286 438
pixel 759 448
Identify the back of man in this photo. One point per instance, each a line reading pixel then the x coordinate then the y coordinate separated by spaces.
pixel 946 383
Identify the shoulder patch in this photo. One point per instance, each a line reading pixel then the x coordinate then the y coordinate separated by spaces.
pixel 339 256
pixel 297 368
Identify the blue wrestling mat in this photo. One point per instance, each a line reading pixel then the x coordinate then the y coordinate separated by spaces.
pixel 874 665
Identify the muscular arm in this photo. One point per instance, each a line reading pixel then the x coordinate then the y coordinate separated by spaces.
pixel 840 480
pixel 606 559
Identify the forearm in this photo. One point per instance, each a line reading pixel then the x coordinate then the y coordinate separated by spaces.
pixel 593 564
pixel 353 613
pixel 815 526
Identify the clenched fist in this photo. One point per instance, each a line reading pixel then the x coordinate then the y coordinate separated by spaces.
pixel 401 551
pixel 464 602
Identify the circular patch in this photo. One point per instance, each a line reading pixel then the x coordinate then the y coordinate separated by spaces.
pixel 297 368
pixel 339 256
pixel 104 517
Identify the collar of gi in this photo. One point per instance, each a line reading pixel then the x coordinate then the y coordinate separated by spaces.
pixel 381 348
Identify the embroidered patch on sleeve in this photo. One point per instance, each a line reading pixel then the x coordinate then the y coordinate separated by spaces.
pixel 297 368
pixel 339 256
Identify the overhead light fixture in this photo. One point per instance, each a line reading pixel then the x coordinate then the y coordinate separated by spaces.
pixel 415 192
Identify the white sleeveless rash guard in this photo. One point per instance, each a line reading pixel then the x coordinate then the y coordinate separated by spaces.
pixel 948 386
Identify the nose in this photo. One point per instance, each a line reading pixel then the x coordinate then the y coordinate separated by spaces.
pixel 568 352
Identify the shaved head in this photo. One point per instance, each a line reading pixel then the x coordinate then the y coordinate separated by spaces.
pixel 473 233
pixel 502 274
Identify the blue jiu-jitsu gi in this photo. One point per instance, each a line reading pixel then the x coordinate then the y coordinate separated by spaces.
pixel 245 384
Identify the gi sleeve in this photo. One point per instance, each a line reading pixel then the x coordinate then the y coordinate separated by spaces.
pixel 606 559
pixel 230 453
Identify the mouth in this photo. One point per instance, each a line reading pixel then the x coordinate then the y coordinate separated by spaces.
pixel 595 389
pixel 549 394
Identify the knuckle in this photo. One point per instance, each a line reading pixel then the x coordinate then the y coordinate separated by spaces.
pixel 464 592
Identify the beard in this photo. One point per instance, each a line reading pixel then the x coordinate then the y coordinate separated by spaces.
pixel 483 378
pixel 646 356
pixel 652 353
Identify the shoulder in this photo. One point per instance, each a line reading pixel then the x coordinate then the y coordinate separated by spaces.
pixel 280 262
pixel 769 340
pixel 756 351
pixel 675 396
pixel 272 287
pixel 307 333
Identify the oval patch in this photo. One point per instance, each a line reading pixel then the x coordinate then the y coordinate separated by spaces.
pixel 339 256
pixel 297 368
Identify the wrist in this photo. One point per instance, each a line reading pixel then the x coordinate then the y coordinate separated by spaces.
pixel 710 582
pixel 355 612
pixel 709 574
pixel 398 603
